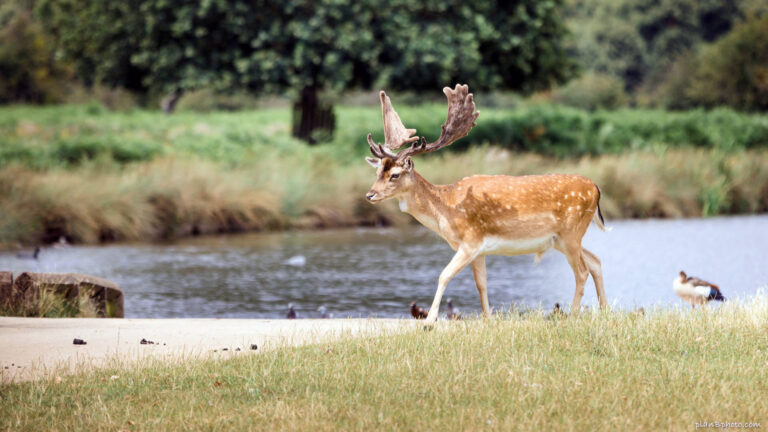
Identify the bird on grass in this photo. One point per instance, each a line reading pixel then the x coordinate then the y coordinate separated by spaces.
pixel 451 312
pixel 696 291
pixel 27 255
pixel 418 312
pixel 557 312
pixel 291 312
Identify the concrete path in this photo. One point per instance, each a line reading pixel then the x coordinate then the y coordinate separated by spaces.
pixel 33 348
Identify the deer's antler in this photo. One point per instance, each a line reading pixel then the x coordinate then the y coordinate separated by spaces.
pixel 395 134
pixel 461 119
pixel 379 151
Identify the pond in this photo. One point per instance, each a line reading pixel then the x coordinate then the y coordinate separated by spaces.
pixel 378 272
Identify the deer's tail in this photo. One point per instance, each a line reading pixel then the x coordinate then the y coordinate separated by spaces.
pixel 598 218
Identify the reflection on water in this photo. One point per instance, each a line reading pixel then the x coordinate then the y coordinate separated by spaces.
pixel 378 272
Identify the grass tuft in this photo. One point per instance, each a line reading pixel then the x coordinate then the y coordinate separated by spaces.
pixel 48 304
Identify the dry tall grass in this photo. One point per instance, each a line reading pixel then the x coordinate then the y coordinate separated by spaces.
pixel 171 197
pixel 48 304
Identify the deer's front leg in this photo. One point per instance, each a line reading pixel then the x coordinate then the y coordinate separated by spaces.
pixel 458 262
pixel 478 268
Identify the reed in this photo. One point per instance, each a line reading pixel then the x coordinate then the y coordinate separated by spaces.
pixel 171 197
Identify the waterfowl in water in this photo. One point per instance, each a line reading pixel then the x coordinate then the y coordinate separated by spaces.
pixel 296 261
pixel 696 291
pixel 27 255
pixel 291 312
pixel 418 312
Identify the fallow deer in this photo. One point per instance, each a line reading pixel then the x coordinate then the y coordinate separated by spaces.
pixel 486 215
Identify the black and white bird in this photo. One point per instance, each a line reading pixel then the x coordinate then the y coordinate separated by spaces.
pixel 696 291
pixel 291 312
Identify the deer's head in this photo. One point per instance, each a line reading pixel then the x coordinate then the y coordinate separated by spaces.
pixel 393 177
pixel 394 170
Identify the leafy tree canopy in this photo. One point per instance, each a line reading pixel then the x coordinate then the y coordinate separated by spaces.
pixel 277 45
pixel 637 39
pixel 309 45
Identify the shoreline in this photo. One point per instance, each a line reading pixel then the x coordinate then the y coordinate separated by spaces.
pixel 9 247
pixel 39 348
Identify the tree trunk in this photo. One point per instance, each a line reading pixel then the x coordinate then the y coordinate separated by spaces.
pixel 168 104
pixel 313 121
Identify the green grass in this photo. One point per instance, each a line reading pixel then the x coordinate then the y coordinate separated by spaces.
pixel 666 370
pixel 66 136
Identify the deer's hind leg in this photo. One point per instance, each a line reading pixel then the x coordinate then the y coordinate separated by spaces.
pixel 573 253
pixel 595 269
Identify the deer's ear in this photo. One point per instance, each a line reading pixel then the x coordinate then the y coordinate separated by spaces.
pixel 376 163
pixel 408 164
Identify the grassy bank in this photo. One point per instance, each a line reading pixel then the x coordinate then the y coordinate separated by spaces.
pixel 93 175
pixel 171 197
pixel 666 370
pixel 45 137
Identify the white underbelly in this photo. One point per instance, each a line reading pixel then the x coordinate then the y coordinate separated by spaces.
pixel 690 293
pixel 502 246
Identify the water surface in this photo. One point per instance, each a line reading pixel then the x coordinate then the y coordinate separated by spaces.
pixel 378 272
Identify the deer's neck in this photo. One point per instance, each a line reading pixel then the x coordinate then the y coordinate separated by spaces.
pixel 425 202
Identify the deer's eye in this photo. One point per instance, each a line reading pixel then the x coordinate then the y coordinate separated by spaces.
pixel 395 176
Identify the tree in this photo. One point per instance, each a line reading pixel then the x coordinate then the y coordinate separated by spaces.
pixel 515 45
pixel 734 70
pixel 27 70
pixel 307 46
pixel 99 38
pixel 637 40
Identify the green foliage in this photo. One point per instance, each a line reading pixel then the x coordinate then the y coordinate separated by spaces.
pixel 487 44
pixel 71 151
pixel 329 44
pixel 207 100
pixel 734 70
pixel 99 38
pixel 72 135
pixel 639 40
pixel 76 150
pixel 567 132
pixel 27 71
pixel 593 91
